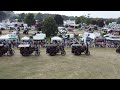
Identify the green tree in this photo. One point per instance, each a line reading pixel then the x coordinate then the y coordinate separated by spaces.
pixel 81 19
pixel 39 17
pixel 50 27
pixel 89 21
pixel 19 20
pixel 29 19
pixel 13 17
pixel 22 16
pixel 100 22
pixel 93 21
pixel 118 20
pixel 2 15
pixel 39 26
pixel 58 19
pixel 78 20
pixel 107 21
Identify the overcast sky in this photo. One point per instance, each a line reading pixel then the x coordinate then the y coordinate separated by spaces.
pixel 100 14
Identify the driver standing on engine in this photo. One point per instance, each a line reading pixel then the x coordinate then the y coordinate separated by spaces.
pixel 35 43
pixel 9 44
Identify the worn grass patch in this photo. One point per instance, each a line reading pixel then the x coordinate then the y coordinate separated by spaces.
pixel 103 63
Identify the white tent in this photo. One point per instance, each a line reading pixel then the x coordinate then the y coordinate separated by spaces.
pixel 25 38
pixel 108 35
pixel 56 38
pixel 71 35
pixel 5 37
pixel 40 36
pixel 9 37
pixel 92 35
pixel 113 38
pixel 97 34
pixel 13 36
pixel 61 28
pixel 24 45
pixel 80 35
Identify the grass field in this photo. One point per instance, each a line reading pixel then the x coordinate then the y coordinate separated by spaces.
pixel 101 64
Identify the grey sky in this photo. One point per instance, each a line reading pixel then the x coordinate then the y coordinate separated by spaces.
pixel 101 14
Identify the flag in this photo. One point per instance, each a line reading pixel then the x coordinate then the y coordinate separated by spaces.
pixel 104 22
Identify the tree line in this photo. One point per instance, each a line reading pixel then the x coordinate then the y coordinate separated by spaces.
pixel 40 17
pixel 95 21
pixel 48 23
pixel 7 15
pixel 81 19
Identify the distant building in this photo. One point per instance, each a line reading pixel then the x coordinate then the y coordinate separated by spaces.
pixel 5 21
pixel 113 28
pixel 113 25
pixel 70 23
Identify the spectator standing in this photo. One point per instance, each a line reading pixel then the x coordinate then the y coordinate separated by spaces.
pixel 0 31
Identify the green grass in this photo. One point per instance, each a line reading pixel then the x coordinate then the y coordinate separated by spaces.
pixel 102 63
